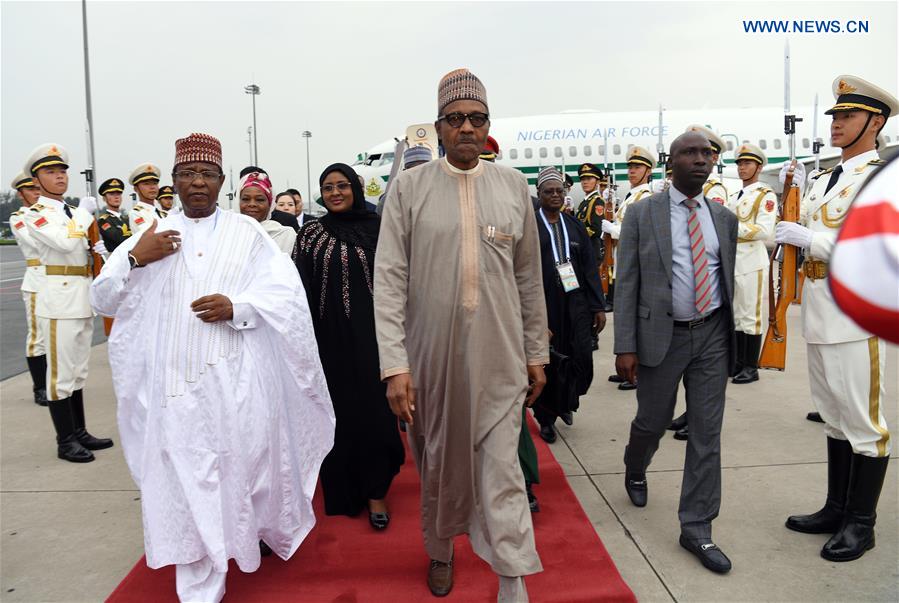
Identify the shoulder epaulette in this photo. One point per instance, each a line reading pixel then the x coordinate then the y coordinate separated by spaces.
pixel 766 189
pixel 877 162
pixel 36 207
pixel 819 174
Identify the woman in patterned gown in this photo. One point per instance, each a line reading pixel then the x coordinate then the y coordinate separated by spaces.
pixel 335 257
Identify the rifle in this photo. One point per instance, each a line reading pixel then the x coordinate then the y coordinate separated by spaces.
pixel 608 213
pixel 660 148
pixel 774 349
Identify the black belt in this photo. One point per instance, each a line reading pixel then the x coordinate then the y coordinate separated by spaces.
pixel 697 322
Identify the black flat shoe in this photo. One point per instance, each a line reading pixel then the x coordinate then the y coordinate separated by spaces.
pixel 747 375
pixel 636 488
pixel 814 416
pixel 379 521
pixel 626 386
pixel 567 418
pixel 616 379
pixel 708 554
pixel 682 434
pixel 264 549
pixel 547 434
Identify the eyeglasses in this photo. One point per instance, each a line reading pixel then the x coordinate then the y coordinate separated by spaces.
pixel 341 186
pixel 457 119
pixel 549 192
pixel 190 175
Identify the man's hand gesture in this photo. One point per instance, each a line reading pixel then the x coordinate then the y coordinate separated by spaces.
pixel 213 308
pixel 154 246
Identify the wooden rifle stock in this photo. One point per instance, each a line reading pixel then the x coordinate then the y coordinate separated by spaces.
pixel 93 235
pixel 608 244
pixel 774 349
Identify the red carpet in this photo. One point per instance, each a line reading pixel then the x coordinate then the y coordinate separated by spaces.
pixel 344 560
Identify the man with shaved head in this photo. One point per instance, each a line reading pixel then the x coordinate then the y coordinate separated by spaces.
pixel 673 322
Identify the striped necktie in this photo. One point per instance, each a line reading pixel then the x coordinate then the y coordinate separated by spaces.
pixel 700 261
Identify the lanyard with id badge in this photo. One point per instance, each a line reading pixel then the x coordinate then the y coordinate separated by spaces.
pixel 565 269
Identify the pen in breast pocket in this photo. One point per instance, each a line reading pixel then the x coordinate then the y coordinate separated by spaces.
pixel 491 233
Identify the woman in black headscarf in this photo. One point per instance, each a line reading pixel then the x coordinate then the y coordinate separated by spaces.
pixel 335 257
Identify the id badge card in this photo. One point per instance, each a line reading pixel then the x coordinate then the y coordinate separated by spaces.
pixel 569 278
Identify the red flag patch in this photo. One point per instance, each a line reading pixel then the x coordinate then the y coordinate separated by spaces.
pixel 106 226
pixel 769 206
pixel 42 221
pixel 20 225
pixel 138 220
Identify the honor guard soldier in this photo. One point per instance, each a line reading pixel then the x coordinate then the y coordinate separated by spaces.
pixel 165 200
pixel 113 224
pixel 755 207
pixel 640 163
pixel 845 363
pixel 32 282
pixel 63 306
pixel 145 180
pixel 714 189
pixel 589 212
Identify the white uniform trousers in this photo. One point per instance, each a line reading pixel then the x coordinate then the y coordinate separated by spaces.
pixel 35 345
pixel 750 311
pixel 68 354
pixel 847 389
pixel 198 582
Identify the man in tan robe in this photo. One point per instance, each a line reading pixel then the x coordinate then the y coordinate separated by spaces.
pixel 461 325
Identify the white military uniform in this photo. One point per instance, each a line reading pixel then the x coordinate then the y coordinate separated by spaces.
pixel 142 216
pixel 714 190
pixel 63 306
pixel 633 195
pixel 846 364
pixel 32 283
pixel 755 207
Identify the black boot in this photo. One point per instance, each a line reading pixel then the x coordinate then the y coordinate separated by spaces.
pixel 679 423
pixel 68 446
pixel 740 352
pixel 86 439
pixel 37 366
pixel 752 345
pixel 856 535
pixel 610 298
pixel 829 519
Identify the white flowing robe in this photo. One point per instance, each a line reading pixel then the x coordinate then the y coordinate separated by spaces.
pixel 224 425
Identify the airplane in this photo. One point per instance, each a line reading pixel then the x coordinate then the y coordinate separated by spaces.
pixel 568 139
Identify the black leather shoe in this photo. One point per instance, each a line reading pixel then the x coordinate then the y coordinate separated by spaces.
pixel 814 416
pixel 595 345
pixel 683 433
pixel 264 549
pixel 635 484
pixel 85 438
pixel 40 397
pixel 379 521
pixel 678 423
pixel 616 379
pixel 747 375
pixel 548 434
pixel 626 386
pixel 567 418
pixel 708 554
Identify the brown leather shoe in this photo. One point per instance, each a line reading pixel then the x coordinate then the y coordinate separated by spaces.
pixel 440 578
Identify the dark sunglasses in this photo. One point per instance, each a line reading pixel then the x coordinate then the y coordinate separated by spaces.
pixel 457 119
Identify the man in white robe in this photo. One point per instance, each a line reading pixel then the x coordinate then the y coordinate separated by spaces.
pixel 224 411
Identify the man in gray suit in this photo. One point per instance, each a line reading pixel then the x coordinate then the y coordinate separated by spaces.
pixel 673 321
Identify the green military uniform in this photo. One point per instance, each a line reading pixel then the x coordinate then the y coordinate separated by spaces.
pixel 113 224
pixel 586 211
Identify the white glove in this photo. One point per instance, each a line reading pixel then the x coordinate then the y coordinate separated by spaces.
pixel 794 234
pixel 88 204
pixel 608 227
pixel 798 175
pixel 659 186
pixel 100 247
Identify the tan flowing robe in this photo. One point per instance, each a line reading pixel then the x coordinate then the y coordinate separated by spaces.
pixel 459 304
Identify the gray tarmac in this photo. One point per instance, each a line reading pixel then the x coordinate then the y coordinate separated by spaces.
pixel 71 532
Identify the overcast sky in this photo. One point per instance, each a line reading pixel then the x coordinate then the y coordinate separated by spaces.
pixel 355 74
